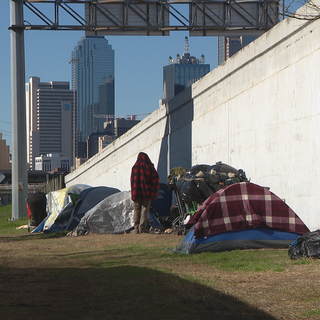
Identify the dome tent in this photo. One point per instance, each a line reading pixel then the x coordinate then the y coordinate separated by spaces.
pixel 114 214
pixel 65 214
pixel 88 198
pixel 242 216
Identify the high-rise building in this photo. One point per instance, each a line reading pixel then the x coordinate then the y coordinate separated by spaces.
pixel 92 63
pixel 182 72
pixel 50 119
pixel 4 154
pixel 228 46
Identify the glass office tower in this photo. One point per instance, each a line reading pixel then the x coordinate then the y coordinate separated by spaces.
pixel 182 72
pixel 92 63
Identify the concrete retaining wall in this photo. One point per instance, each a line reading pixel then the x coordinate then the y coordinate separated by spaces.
pixel 259 111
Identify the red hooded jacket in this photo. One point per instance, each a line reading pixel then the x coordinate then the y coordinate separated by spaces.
pixel 144 179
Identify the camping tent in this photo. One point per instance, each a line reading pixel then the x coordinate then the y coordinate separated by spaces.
pixel 88 198
pixel 70 216
pixel 59 204
pixel 113 214
pixel 239 216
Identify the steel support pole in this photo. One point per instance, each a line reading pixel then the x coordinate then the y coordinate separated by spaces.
pixel 18 110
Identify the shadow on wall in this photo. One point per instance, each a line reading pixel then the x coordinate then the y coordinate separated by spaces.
pixel 176 146
pixel 122 292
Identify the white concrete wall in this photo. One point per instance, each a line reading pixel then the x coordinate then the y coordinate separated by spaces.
pixel 112 166
pixel 259 111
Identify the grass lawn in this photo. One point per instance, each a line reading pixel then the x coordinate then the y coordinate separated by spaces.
pixel 129 276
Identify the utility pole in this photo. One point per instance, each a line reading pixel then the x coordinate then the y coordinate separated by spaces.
pixel 74 72
pixel 18 110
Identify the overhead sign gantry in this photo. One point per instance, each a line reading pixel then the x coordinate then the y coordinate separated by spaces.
pixel 154 17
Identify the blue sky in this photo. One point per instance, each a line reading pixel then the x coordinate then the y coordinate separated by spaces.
pixel 139 62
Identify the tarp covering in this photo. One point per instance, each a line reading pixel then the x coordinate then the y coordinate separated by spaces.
pixel 256 238
pixel 58 200
pixel 114 214
pixel 87 199
pixel 241 213
pixel 306 246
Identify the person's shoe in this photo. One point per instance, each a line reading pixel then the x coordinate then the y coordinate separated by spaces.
pixel 135 230
pixel 143 230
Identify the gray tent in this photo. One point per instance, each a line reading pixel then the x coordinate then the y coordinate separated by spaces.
pixel 113 214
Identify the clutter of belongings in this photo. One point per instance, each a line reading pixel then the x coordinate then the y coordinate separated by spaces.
pixel 193 186
pixel 218 209
pixel 242 216
pixel 199 182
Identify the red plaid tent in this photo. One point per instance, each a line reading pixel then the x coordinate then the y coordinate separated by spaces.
pixel 242 206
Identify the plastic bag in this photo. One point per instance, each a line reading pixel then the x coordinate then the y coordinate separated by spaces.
pixel 306 246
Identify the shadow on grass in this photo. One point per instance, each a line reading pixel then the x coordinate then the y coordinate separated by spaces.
pixel 114 293
pixel 30 236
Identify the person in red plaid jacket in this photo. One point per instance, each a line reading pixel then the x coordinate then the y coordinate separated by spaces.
pixel 144 188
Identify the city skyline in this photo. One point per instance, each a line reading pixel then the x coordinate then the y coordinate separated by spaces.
pixel 48 56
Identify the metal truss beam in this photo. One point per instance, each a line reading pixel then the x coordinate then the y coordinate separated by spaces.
pixel 152 17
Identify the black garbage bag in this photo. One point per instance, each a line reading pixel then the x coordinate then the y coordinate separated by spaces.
pixel 227 174
pixel 197 185
pixel 306 246
pixel 195 190
pixel 222 167
pixel 197 168
pixel 200 181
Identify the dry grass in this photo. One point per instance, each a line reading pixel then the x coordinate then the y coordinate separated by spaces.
pixel 132 276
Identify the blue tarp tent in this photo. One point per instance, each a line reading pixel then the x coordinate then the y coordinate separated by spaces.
pixel 256 238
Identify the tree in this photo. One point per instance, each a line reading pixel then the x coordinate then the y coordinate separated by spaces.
pixel 311 12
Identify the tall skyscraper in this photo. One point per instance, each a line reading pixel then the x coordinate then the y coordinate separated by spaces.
pixel 92 62
pixel 228 46
pixel 182 72
pixel 50 119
